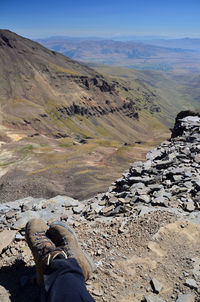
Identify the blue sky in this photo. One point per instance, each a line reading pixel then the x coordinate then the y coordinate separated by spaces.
pixel 37 19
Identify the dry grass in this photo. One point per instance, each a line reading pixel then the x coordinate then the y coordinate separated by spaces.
pixel 57 68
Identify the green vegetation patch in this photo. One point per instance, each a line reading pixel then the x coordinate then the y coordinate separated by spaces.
pixel 61 69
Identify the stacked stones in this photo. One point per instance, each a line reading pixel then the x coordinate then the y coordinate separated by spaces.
pixel 170 177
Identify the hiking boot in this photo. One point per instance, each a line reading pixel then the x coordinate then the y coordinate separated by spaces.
pixel 43 249
pixel 64 238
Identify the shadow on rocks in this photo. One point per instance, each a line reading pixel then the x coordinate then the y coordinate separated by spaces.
pixel 19 281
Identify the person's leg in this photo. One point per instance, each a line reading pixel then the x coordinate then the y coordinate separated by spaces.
pixel 61 265
pixel 64 238
pixel 64 282
pixel 42 248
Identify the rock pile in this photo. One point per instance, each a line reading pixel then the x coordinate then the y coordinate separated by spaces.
pixel 170 177
pixel 14 215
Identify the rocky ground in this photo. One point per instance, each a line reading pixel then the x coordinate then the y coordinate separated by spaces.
pixel 144 233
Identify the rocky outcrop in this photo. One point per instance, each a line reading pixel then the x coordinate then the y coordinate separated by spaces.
pixel 179 127
pixel 127 108
pixel 170 177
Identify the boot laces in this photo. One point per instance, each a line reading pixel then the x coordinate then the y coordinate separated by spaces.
pixel 43 244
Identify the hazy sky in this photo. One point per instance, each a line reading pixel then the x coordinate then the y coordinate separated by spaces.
pixel 42 18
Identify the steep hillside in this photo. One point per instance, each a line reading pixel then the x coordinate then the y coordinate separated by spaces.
pixel 173 92
pixel 62 122
pixel 51 86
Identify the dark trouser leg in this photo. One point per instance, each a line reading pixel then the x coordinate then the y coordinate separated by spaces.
pixel 64 282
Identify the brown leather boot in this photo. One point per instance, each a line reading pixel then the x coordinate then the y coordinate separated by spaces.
pixel 64 238
pixel 43 249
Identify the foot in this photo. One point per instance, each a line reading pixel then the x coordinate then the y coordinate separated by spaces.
pixel 43 249
pixel 64 238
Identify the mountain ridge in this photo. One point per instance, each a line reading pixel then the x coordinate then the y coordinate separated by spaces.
pixel 135 54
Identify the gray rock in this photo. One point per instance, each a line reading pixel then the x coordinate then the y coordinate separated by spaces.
pixel 107 210
pixel 154 154
pixel 19 237
pixel 156 285
pixel 124 200
pixel 135 179
pixel 191 283
pixel 111 188
pixel 144 198
pixel 161 201
pixel 113 200
pixel 79 209
pixel 176 170
pixel 153 298
pixel 191 119
pixel 197 184
pixel 177 178
pixel 23 218
pixel 189 206
pixel 136 171
pixel 144 210
pixel 144 191
pixel 190 297
pixel 163 164
pixel 39 206
pixel 49 216
pixel 65 201
pixel 6 237
pixel 155 187
pixel 147 165
pixel 10 214
pixel 95 207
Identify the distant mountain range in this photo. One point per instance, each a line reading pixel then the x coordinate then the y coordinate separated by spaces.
pixel 165 55
pixel 185 43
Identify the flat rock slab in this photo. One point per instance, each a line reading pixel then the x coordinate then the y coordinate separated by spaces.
pixel 186 298
pixel 6 237
pixel 153 298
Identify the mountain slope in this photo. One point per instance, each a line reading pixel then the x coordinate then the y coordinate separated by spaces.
pixel 173 93
pixel 48 84
pixel 64 124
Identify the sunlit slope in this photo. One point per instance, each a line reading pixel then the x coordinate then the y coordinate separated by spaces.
pixel 172 93
pixel 66 126
pixel 46 92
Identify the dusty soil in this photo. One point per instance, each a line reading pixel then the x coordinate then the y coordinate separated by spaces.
pixel 156 245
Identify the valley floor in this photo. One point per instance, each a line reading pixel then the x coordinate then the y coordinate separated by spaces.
pixel 44 167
